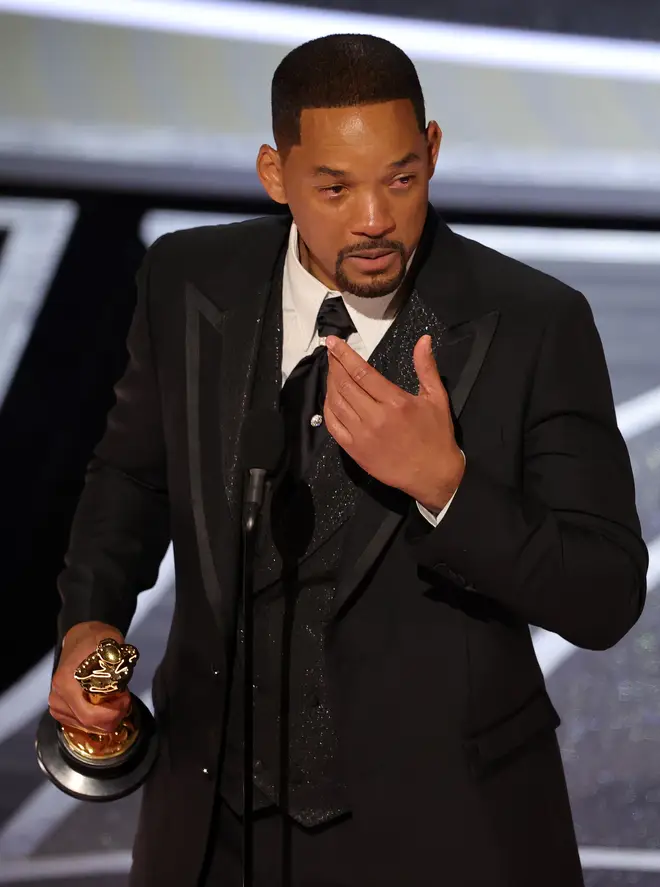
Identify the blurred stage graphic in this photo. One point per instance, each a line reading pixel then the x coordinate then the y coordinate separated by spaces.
pixel 174 96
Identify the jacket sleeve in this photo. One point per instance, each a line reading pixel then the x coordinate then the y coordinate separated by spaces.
pixel 563 551
pixel 120 529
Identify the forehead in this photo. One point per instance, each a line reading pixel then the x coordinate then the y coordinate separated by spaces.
pixel 363 131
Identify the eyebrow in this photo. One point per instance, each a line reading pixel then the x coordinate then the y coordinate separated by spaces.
pixel 411 157
pixel 405 161
pixel 329 171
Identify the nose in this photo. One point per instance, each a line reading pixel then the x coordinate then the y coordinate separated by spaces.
pixel 374 218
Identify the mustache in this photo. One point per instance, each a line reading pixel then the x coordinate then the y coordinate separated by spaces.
pixel 365 246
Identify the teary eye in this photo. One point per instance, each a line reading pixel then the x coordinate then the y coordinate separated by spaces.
pixel 333 190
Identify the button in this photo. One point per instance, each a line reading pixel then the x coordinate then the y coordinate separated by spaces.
pixel 316 420
pixel 206 772
pixel 258 766
pixel 216 673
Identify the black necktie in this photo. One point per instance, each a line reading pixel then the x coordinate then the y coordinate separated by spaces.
pixel 303 393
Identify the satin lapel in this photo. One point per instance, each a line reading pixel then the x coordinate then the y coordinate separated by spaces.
pixel 483 330
pixel 242 334
pixel 221 350
pixel 460 347
pixel 204 322
pixel 217 385
pixel 378 517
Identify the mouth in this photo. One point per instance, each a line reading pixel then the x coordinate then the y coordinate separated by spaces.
pixel 372 261
pixel 371 254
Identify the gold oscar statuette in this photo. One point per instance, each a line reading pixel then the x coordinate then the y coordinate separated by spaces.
pixel 103 676
pixel 92 765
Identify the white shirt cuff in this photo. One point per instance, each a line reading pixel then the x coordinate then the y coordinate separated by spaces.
pixel 434 519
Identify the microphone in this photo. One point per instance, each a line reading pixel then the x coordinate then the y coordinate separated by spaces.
pixel 262 446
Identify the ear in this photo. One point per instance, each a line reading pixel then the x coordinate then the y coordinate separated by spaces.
pixel 269 170
pixel 433 140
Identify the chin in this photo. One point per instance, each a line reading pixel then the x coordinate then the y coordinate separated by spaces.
pixel 371 287
pixel 370 284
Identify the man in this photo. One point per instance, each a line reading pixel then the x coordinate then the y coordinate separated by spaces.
pixel 439 496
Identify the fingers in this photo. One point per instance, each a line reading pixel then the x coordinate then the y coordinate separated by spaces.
pixel 68 706
pixel 362 373
pixel 335 427
pixel 346 399
pixel 59 709
pixel 427 369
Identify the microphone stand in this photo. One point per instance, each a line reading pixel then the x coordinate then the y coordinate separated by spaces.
pixel 249 539
pixel 262 445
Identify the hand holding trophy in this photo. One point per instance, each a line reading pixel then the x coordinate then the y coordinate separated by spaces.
pixel 104 753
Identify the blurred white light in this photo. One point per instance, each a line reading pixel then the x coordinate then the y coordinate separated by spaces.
pixel 526 244
pixel 37 234
pixel 438 41
pixel 584 246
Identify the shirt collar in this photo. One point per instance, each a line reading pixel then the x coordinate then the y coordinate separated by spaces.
pixel 307 294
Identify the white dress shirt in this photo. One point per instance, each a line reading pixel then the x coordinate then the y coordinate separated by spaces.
pixel 302 295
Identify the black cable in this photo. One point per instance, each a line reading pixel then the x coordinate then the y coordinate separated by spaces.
pixel 248 703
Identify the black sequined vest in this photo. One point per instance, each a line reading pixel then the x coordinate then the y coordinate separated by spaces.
pixel 295 741
pixel 301 533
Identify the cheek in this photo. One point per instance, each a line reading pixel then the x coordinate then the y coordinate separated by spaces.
pixel 321 234
pixel 410 221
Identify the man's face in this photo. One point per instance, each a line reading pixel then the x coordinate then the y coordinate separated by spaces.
pixel 357 187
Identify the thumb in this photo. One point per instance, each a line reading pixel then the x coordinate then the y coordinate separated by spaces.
pixel 426 368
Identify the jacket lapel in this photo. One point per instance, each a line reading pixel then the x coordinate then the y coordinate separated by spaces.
pixel 462 325
pixel 224 325
pixel 222 336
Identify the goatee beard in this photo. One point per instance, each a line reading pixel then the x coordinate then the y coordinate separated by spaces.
pixel 378 287
pixel 369 290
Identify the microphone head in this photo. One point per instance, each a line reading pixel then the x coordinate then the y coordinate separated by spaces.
pixel 262 439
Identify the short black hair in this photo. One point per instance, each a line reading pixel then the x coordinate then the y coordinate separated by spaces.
pixel 340 71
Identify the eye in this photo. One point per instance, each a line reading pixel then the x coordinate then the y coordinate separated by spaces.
pixel 404 181
pixel 333 190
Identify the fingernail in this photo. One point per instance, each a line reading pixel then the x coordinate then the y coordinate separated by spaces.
pixel 330 342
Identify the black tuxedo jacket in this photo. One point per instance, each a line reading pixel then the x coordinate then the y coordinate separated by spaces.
pixel 446 731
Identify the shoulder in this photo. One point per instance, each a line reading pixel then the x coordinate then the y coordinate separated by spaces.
pixel 213 244
pixel 515 287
